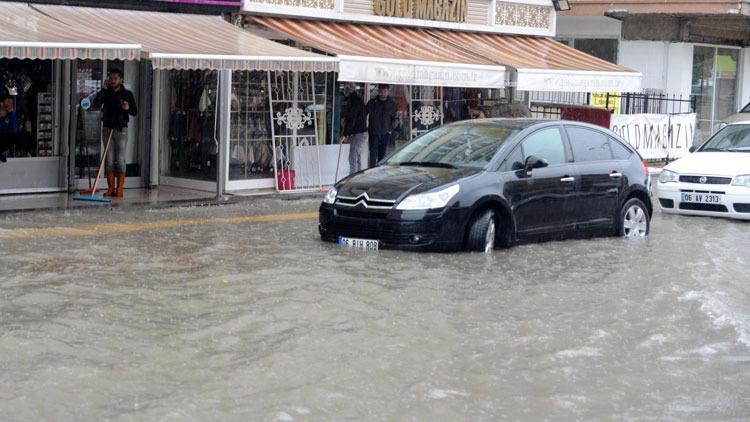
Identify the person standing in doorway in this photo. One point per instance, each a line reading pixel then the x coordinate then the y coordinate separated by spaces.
pixel 8 126
pixel 383 120
pixel 354 128
pixel 117 105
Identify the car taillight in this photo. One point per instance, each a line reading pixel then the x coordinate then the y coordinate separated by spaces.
pixel 645 167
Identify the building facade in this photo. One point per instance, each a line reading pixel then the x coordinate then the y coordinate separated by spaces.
pixel 687 50
pixel 248 96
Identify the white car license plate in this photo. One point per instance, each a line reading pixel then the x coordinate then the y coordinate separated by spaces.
pixel 701 198
pixel 366 244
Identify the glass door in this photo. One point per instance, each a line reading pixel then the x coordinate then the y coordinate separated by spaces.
pixel 714 85
pixel 251 140
pixel 190 154
pixel 90 136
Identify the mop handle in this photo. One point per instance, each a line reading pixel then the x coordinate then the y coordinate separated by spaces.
pixel 336 177
pixel 101 163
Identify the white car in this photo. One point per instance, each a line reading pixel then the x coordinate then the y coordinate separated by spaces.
pixel 714 180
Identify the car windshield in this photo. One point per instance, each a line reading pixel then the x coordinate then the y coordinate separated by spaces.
pixel 464 145
pixel 733 138
pixel 746 109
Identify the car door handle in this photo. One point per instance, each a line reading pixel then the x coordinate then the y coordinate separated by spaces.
pixel 616 174
pixel 568 179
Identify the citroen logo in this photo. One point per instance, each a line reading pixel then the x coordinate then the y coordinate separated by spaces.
pixel 703 179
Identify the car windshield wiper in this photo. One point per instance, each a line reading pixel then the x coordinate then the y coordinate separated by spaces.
pixel 739 149
pixel 428 164
pixel 713 149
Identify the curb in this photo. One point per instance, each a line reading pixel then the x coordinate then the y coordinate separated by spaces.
pixel 208 202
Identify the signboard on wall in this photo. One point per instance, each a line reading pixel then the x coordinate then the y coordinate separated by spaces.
pixel 188 6
pixel 413 72
pixel 435 10
pixel 656 136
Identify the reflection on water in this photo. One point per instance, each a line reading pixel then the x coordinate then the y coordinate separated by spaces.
pixel 264 321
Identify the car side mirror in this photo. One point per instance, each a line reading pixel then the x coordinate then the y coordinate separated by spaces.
pixel 691 149
pixel 534 162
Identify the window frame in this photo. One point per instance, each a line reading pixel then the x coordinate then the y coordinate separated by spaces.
pixel 606 135
pixel 519 144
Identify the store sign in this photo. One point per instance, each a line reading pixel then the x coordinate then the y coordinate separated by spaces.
pixel 407 72
pixel 196 6
pixel 577 81
pixel 436 10
pixel 656 136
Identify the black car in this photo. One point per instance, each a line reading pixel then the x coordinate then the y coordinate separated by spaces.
pixel 476 184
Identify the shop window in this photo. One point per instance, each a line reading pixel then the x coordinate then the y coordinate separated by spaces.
pixel 192 151
pixel 27 108
pixel 251 142
pixel 714 85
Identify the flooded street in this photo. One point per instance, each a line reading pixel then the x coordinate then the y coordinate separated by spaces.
pixel 259 320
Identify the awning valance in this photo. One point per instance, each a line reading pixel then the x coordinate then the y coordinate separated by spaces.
pixel 26 33
pixel 391 54
pixel 185 41
pixel 543 64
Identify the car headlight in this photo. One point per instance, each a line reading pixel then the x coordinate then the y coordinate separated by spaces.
pixel 667 176
pixel 424 201
pixel 742 180
pixel 330 197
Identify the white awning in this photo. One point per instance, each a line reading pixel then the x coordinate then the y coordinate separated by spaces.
pixel 544 64
pixel 26 33
pixel 186 41
pixel 390 54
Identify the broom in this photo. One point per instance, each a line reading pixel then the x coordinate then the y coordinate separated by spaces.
pixel 92 197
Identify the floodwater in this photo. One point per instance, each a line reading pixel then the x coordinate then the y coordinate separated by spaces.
pixel 262 321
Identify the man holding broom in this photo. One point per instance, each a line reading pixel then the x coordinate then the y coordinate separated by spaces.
pixel 117 105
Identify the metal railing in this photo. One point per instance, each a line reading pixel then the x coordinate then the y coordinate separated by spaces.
pixel 547 105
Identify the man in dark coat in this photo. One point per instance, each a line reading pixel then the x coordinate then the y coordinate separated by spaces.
pixel 117 105
pixel 383 120
pixel 354 128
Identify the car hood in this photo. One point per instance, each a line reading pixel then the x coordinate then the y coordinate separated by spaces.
pixel 712 164
pixel 393 182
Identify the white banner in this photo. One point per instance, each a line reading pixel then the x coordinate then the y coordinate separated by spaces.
pixel 656 136
pixel 413 72
pixel 577 81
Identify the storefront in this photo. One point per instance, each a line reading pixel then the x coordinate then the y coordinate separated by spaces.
pixel 197 93
pixel 438 75
pixel 38 55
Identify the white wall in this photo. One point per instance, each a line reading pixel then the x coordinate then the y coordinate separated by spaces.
pixel 647 57
pixel 667 67
pixel 588 27
pixel 679 69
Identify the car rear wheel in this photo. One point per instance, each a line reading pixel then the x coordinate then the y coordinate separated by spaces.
pixel 482 233
pixel 634 219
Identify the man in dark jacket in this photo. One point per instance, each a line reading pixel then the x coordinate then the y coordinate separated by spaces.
pixel 354 128
pixel 117 105
pixel 8 126
pixel 383 119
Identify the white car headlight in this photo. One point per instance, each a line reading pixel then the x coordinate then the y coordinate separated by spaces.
pixel 330 197
pixel 667 176
pixel 742 180
pixel 424 201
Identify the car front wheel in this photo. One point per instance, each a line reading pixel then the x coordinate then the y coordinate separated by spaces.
pixel 634 219
pixel 481 234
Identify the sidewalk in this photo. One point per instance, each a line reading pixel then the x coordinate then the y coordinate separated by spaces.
pixel 163 196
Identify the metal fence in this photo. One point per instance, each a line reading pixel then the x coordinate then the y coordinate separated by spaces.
pixel 546 105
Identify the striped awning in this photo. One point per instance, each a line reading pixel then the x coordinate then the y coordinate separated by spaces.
pixel 391 54
pixel 543 64
pixel 26 33
pixel 185 41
